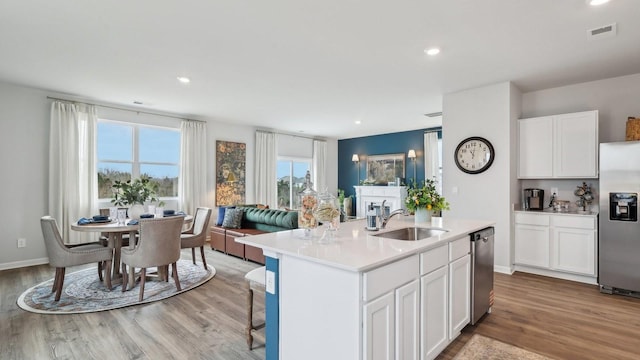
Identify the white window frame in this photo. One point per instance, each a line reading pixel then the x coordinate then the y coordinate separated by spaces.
pixel 135 162
pixel 291 160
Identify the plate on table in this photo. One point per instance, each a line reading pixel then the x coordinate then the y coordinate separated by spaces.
pixel 104 221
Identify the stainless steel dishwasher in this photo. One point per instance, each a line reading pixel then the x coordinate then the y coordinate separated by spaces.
pixel 481 273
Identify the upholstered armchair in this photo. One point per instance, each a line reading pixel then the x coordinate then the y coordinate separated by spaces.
pixel 197 235
pixel 61 256
pixel 158 245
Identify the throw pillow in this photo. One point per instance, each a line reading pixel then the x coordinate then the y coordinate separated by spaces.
pixel 232 218
pixel 221 212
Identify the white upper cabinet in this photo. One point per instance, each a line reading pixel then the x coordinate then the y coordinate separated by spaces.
pixel 535 147
pixel 558 146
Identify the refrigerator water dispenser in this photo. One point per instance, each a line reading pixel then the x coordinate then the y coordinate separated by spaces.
pixel 623 206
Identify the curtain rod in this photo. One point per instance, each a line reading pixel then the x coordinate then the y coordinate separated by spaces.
pixel 120 108
pixel 294 135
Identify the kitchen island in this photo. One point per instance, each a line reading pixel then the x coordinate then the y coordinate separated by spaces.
pixel 363 296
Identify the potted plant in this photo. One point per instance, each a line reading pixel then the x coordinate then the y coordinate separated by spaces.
pixel 425 200
pixel 134 193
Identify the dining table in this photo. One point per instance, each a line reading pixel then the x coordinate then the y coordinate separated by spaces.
pixel 115 231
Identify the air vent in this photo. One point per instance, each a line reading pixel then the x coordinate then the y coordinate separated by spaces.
pixel 434 114
pixel 602 32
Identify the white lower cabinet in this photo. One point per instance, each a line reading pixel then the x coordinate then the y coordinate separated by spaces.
pixel 532 245
pixel 459 295
pixel 559 245
pixel 408 321
pixel 414 308
pixel 379 324
pixel 392 324
pixel 433 315
pixel 574 250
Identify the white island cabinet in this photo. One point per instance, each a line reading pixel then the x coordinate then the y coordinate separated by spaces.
pixel 364 296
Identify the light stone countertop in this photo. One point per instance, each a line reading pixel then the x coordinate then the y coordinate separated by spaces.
pixel 356 249
pixel 549 211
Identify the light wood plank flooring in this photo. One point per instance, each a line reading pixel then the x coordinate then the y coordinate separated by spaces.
pixel 560 319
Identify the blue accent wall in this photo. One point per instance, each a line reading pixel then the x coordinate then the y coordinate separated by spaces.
pixel 272 314
pixel 393 143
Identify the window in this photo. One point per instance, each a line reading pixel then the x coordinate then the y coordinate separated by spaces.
pixel 127 151
pixel 290 175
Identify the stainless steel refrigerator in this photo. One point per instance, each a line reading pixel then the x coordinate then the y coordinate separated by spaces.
pixel 619 229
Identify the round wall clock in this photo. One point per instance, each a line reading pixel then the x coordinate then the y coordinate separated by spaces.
pixel 474 155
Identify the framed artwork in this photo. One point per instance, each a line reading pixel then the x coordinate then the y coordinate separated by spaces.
pixel 230 172
pixel 382 169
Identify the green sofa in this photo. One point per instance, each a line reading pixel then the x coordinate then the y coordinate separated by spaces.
pixel 254 221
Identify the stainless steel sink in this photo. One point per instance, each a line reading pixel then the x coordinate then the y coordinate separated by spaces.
pixel 412 233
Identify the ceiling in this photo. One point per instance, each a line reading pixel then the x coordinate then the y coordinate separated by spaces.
pixel 310 66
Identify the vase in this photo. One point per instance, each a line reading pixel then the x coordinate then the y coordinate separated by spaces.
pixel 422 216
pixel 135 211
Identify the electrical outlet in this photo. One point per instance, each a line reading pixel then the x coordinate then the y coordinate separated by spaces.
pixel 22 242
pixel 554 191
pixel 271 282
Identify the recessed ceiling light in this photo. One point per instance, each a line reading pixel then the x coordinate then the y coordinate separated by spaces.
pixel 597 2
pixel 432 51
pixel 184 79
pixel 358 122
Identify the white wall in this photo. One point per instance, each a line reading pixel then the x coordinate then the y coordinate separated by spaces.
pixel 614 98
pixel 24 159
pixel 24 131
pixel 489 112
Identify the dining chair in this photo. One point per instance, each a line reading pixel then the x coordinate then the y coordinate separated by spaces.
pixel 61 256
pixel 158 246
pixel 197 234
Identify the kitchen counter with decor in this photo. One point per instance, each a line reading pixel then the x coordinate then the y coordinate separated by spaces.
pixel 357 249
pixel 367 296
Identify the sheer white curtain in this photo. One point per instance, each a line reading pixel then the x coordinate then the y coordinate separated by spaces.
pixel 73 180
pixel 319 164
pixel 431 156
pixel 266 163
pixel 192 189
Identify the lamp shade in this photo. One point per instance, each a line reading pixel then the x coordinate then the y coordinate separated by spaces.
pixel 411 154
pixel 355 158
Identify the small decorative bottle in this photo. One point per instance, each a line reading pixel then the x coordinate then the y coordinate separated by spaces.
pixel 308 202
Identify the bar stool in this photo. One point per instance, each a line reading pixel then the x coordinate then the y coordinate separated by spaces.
pixel 254 280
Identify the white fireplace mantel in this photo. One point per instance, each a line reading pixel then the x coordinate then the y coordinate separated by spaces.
pixel 365 195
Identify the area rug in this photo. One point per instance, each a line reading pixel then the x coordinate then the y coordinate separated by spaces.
pixel 482 348
pixel 83 292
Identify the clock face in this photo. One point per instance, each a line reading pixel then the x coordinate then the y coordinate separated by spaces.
pixel 474 155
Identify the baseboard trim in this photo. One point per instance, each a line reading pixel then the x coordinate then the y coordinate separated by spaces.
pixel 503 269
pixel 591 280
pixel 23 263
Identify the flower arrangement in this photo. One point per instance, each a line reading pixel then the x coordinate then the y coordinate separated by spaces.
pixel 134 192
pixel 425 197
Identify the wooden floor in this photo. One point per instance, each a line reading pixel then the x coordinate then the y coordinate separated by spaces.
pixel 560 319
pixel 205 323
pixel 556 318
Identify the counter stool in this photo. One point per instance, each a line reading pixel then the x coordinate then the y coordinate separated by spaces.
pixel 254 280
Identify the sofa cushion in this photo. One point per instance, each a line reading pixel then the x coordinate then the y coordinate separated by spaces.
pixel 269 220
pixel 221 212
pixel 232 218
